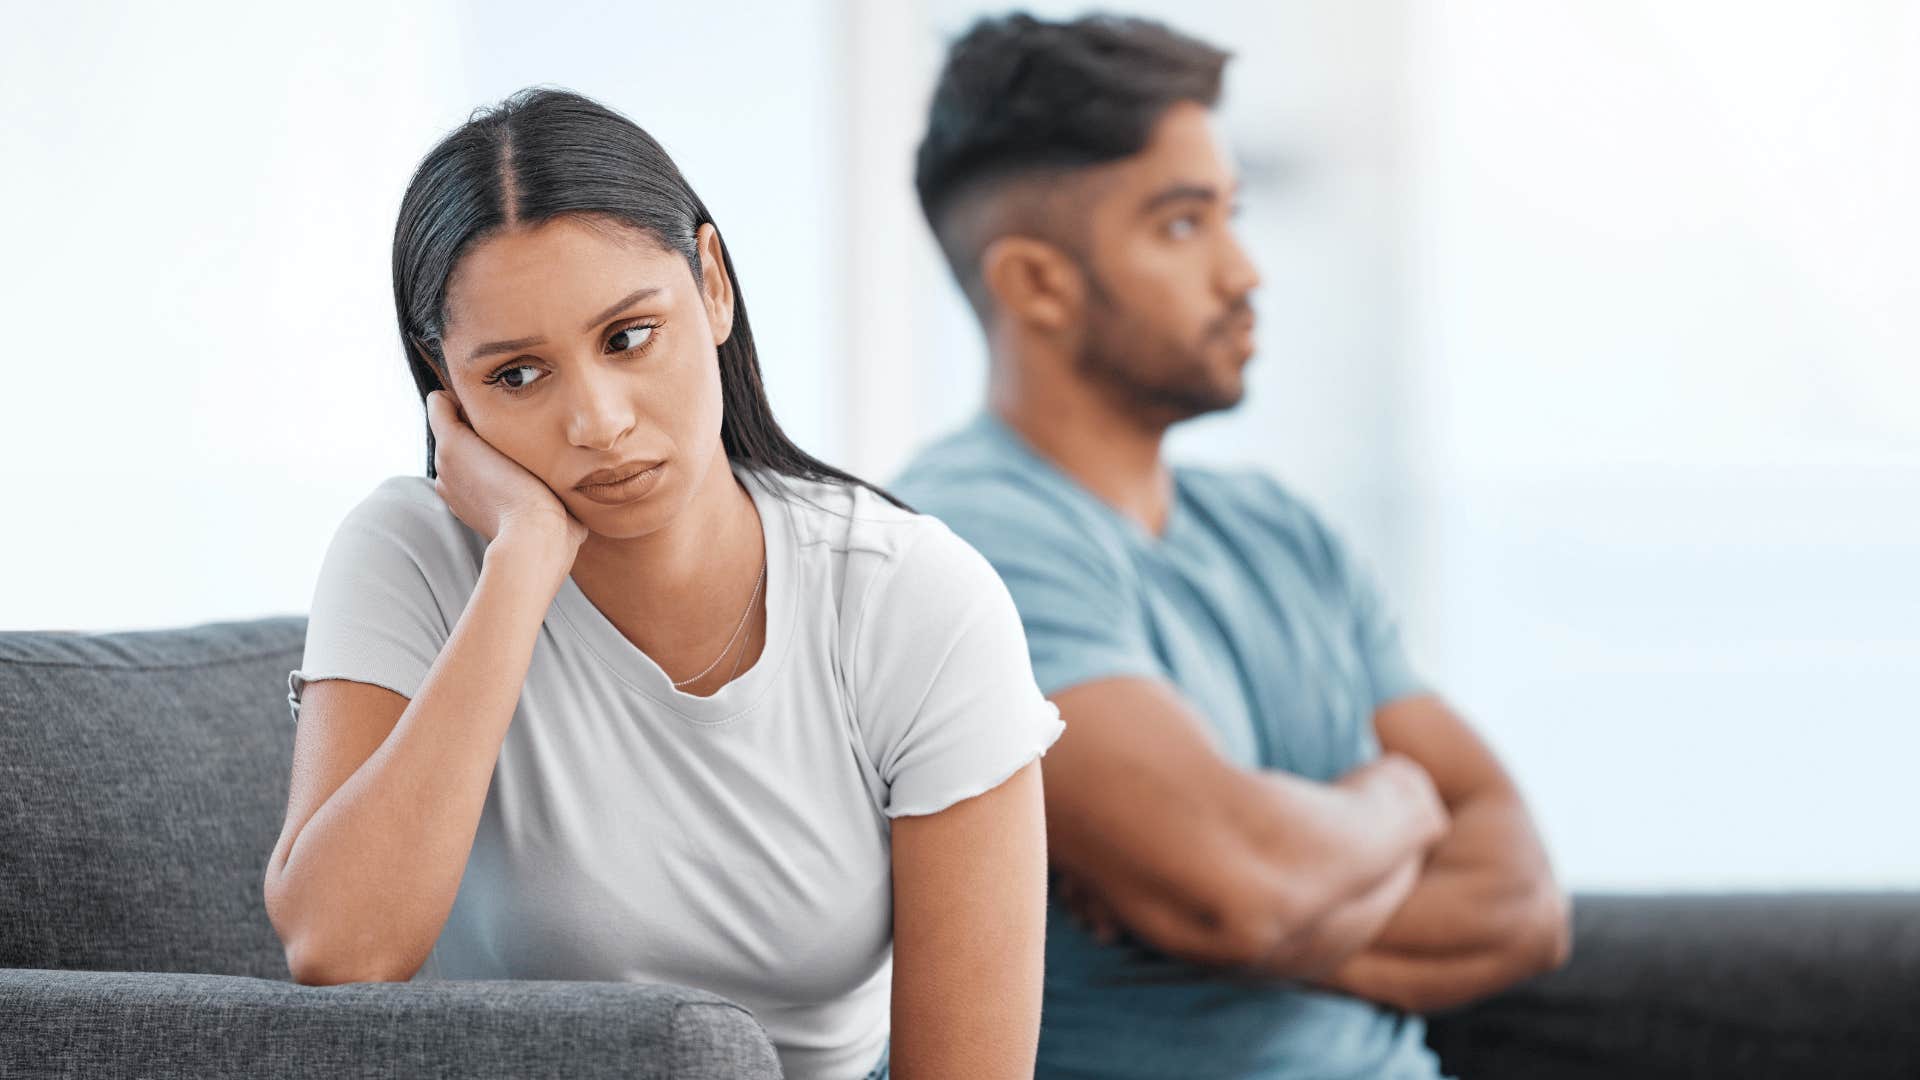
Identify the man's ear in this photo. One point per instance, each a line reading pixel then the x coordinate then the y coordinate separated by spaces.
pixel 716 289
pixel 1033 282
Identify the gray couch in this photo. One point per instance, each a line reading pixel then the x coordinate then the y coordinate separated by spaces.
pixel 142 782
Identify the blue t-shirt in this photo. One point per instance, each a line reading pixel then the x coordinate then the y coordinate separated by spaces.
pixel 1257 614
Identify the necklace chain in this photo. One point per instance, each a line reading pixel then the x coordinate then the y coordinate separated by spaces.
pixel 751 600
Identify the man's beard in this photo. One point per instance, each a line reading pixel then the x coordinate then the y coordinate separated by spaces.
pixel 1161 382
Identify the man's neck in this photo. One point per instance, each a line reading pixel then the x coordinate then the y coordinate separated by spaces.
pixel 1112 455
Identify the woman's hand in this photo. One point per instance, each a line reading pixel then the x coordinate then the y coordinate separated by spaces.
pixel 489 490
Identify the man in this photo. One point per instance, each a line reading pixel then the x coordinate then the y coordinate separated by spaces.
pixel 1274 847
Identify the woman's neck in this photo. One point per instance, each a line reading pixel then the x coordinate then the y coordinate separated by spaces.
pixel 678 593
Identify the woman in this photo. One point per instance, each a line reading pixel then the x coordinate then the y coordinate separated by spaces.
pixel 634 688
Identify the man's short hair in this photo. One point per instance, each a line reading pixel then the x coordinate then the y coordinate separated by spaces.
pixel 1022 102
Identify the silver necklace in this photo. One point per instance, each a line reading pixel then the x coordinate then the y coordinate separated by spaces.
pixel 745 648
pixel 751 600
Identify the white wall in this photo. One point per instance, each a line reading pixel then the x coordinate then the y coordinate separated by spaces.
pixel 197 203
pixel 1664 342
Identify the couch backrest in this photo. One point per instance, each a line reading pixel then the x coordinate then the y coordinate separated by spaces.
pixel 143 779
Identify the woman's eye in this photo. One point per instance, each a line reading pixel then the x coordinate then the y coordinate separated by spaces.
pixel 503 377
pixel 633 338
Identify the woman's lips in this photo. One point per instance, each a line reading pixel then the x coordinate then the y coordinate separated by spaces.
pixel 627 490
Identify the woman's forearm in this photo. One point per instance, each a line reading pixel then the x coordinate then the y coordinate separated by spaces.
pixel 367 883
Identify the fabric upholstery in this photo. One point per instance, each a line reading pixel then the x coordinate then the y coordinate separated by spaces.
pixel 1752 986
pixel 143 781
pixel 164 1025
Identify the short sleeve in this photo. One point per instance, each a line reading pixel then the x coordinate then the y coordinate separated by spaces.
pixel 1374 624
pixel 1377 630
pixel 1078 598
pixel 944 691
pixel 378 614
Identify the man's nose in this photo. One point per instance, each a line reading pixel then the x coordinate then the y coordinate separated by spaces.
pixel 1238 275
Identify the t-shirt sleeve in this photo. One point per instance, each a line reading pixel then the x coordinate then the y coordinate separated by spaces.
pixel 377 615
pixel 1078 600
pixel 1375 625
pixel 944 690
pixel 1377 630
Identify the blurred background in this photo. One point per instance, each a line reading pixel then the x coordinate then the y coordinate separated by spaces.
pixel 1595 325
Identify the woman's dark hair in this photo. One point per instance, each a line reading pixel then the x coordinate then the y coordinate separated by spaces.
pixel 543 153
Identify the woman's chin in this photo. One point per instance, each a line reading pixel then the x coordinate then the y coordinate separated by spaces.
pixel 627 520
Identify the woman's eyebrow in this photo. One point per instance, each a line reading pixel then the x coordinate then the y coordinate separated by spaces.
pixel 492 347
pixel 631 298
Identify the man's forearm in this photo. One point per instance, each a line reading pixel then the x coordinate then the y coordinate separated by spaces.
pixel 1484 914
pixel 1342 840
pixel 1482 887
pixel 1346 930
pixel 1355 848
pixel 1435 979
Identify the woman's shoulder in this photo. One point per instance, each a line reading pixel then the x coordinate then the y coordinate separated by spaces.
pixel 403 518
pixel 882 555
pixel 844 518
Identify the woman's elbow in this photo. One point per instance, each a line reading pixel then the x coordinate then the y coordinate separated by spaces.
pixel 320 967
pixel 317 958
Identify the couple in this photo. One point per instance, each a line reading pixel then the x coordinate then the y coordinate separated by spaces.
pixel 631 687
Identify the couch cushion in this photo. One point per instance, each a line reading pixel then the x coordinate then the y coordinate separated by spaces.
pixel 210 1027
pixel 143 779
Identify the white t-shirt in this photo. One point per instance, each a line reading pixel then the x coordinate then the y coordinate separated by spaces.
pixel 738 843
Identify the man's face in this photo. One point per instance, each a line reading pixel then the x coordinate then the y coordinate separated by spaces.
pixel 1168 328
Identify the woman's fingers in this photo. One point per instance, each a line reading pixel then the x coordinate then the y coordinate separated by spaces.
pixel 433 416
pixel 441 413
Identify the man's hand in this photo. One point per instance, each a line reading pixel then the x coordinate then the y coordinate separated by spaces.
pixel 1159 839
pixel 1486 911
pixel 1093 914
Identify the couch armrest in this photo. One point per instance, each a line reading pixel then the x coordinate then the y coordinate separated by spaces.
pixel 1754 986
pixel 151 1024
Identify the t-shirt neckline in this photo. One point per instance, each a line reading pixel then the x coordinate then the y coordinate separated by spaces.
pixel 638 670
pixel 1176 516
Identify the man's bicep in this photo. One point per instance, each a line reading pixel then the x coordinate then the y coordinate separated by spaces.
pixel 1138 795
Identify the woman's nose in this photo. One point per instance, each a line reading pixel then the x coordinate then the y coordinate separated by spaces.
pixel 599 412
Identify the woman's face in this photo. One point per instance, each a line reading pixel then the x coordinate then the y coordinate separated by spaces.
pixel 584 349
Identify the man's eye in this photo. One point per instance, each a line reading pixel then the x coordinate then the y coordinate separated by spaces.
pixel 634 336
pixel 1182 227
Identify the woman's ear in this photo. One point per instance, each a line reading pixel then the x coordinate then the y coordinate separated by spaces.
pixel 432 361
pixel 1033 282
pixel 716 288
pixel 440 372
